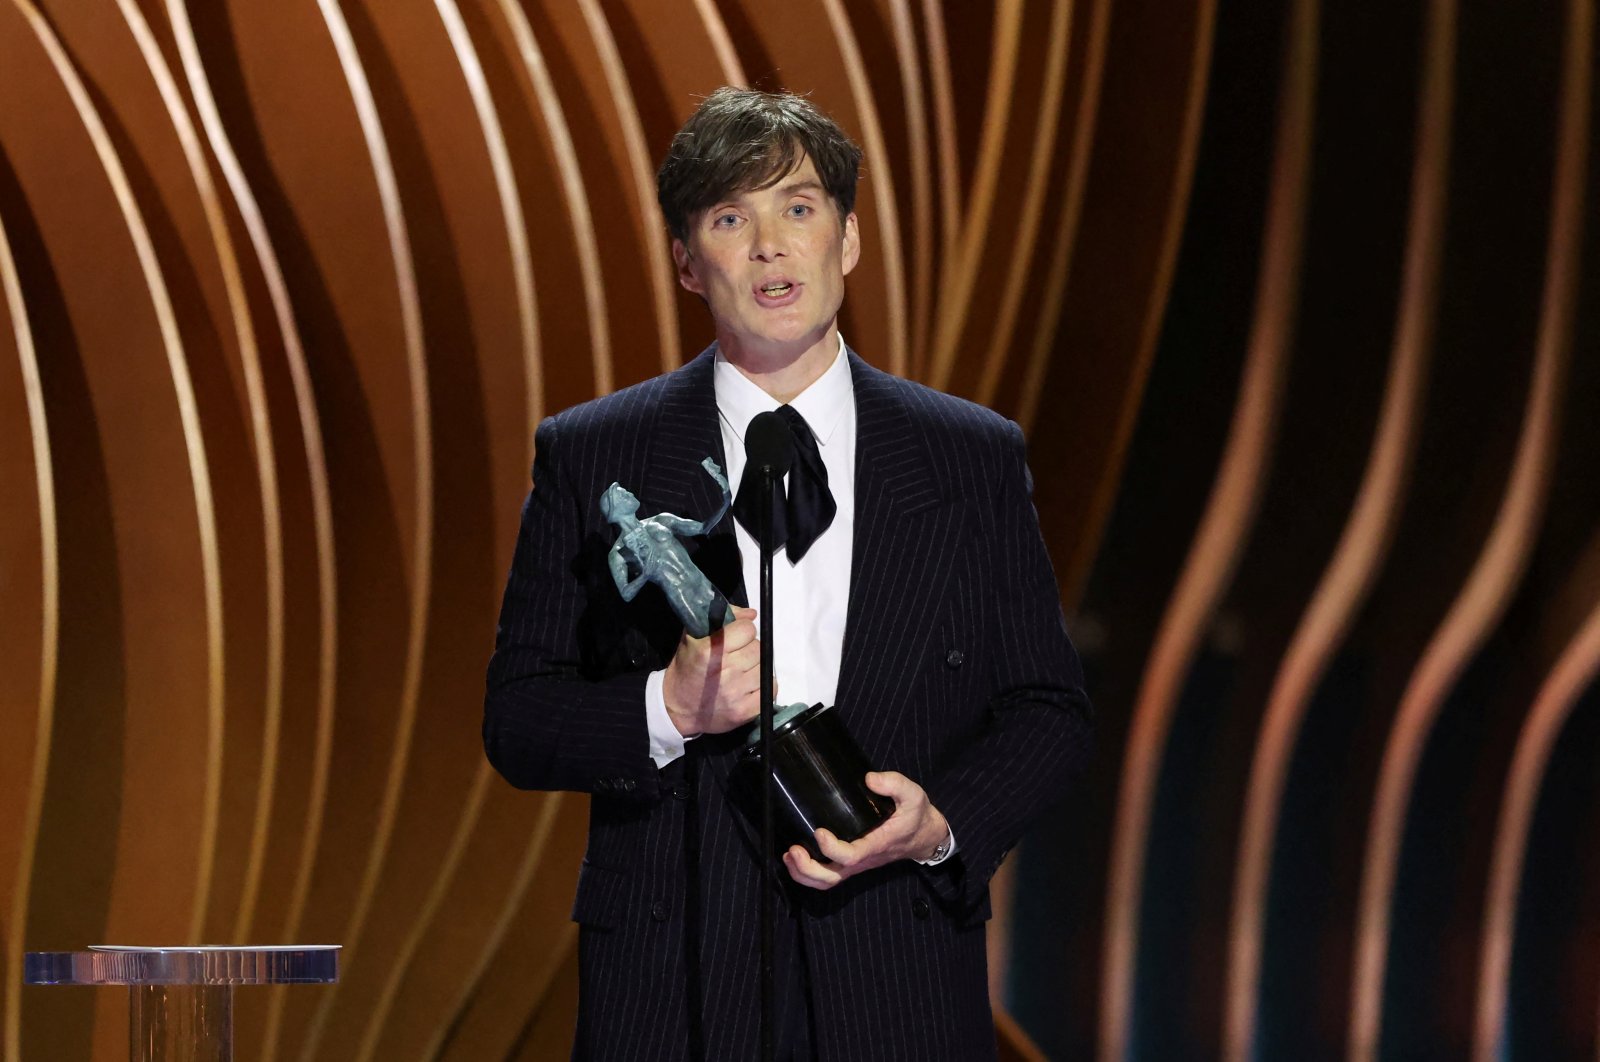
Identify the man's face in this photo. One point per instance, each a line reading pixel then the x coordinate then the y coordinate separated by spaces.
pixel 771 264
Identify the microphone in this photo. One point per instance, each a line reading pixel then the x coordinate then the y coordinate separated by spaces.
pixel 768 443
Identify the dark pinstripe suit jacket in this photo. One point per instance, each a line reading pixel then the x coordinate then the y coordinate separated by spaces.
pixel 956 671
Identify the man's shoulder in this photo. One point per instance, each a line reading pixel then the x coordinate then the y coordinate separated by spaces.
pixel 937 415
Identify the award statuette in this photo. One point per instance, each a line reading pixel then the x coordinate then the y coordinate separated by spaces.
pixel 651 547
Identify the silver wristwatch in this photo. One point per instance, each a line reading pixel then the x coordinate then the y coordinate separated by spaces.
pixel 940 854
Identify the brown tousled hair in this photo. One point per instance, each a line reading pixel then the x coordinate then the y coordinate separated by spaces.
pixel 743 139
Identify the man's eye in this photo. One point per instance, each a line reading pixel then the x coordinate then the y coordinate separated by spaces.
pixel 799 210
pixel 726 221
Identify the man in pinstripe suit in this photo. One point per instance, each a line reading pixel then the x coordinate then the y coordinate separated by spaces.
pixel 923 606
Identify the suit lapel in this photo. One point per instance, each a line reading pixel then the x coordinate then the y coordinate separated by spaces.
pixel 905 534
pixel 687 431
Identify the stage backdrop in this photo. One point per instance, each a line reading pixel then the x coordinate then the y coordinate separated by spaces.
pixel 1295 300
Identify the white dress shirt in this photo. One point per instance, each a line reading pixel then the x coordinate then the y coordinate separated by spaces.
pixel 811 596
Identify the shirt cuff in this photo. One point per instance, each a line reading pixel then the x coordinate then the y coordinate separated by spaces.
pixel 949 848
pixel 666 744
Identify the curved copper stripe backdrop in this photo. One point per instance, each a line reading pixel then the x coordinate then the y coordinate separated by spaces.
pixel 287 287
pixel 1221 534
pixel 1350 571
pixel 30 537
pixel 1506 551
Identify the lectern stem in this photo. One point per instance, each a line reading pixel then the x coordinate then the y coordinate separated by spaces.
pixel 180 1023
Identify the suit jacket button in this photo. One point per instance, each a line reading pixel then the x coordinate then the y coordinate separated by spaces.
pixel 602 785
pixel 954 658
pixel 658 911
pixel 919 907
pixel 626 784
pixel 680 790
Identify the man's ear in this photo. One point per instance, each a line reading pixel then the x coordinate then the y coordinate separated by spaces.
pixel 852 242
pixel 685 259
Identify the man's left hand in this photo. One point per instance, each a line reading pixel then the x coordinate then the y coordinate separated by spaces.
pixel 913 832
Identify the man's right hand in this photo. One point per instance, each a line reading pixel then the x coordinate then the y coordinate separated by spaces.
pixel 714 683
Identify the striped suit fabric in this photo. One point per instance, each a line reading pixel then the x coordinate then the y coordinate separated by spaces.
pixel 957 672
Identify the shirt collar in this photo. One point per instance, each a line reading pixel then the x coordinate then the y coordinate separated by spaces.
pixel 822 404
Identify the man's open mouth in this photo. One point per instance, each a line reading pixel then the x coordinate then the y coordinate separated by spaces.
pixel 776 290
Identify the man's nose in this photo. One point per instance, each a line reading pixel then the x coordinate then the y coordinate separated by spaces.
pixel 766 242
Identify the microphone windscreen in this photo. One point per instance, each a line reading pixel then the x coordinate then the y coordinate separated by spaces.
pixel 768 441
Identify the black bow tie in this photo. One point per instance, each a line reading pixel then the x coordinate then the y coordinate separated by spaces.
pixel 801 517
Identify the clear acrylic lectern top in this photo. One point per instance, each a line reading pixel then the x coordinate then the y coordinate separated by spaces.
pixel 108 965
pixel 181 999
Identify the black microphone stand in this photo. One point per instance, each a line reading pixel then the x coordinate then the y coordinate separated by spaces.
pixel 770 883
pixel 769 448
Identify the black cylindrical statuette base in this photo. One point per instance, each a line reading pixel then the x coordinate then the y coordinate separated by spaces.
pixel 820 775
